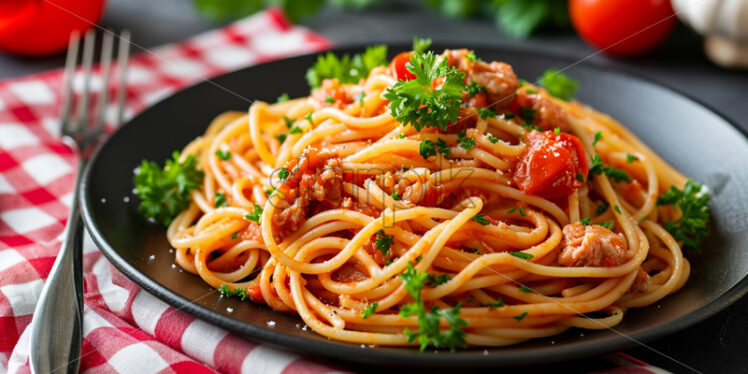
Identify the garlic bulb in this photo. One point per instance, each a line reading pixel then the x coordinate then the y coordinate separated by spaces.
pixel 724 24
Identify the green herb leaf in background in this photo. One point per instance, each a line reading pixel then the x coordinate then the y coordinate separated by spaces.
pixel 166 192
pixel 346 69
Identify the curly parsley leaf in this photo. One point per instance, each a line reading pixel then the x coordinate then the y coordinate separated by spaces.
pixel 419 104
pixel 429 332
pixel 227 292
pixel 559 85
pixel 486 113
pixel 693 202
pixel 346 69
pixel 383 242
pixel 466 143
pixel 473 88
pixel 166 192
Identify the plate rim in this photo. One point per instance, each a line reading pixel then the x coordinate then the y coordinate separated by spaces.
pixel 353 353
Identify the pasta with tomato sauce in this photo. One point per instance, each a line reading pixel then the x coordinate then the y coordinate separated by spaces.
pixel 437 200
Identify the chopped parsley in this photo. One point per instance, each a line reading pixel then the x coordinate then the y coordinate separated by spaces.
pixel 383 242
pixel 521 211
pixel 421 45
pixel 522 255
pixel 466 143
pixel 493 139
pixel 395 196
pixel 270 191
pixel 598 136
pixel 295 130
pixel 556 130
pixel 289 122
pixel 530 127
pixel 308 117
pixel 481 218
pixel 580 177
pixel 528 114
pixel 417 103
pixel 281 137
pixel 220 200
pixel 346 69
pixel 282 173
pixel 631 158
pixel 234 235
pixel 223 155
pixel 428 148
pixel 496 304
pixel 486 113
pixel 693 202
pixel 474 88
pixel 255 215
pixel 610 225
pixel 401 136
pixel 524 288
pixel 615 174
pixel 226 292
pixel 369 310
pixel 602 207
pixel 617 209
pixel 429 332
pixel 508 116
pixel 585 221
pixel 520 317
pixel 330 100
pixel 360 99
pixel 441 279
pixel 282 98
pixel 559 85
pixel 166 191
pixel 470 56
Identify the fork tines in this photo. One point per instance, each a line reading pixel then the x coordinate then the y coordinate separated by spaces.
pixel 77 125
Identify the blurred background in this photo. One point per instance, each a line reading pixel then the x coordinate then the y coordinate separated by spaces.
pixel 695 46
pixel 662 40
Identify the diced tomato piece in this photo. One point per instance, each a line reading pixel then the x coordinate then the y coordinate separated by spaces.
pixel 552 166
pixel 254 292
pixel 398 69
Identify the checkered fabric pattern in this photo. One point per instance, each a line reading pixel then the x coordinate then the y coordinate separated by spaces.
pixel 126 330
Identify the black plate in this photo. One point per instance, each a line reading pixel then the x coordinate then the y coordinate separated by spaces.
pixel 690 136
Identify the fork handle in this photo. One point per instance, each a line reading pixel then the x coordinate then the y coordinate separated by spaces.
pixel 57 324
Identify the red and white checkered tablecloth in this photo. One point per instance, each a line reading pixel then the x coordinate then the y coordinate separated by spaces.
pixel 127 330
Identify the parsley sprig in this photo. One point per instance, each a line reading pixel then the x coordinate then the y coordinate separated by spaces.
pixel 613 173
pixel 166 192
pixel 383 242
pixel 416 102
pixel 428 321
pixel 346 69
pixel 226 292
pixel 559 85
pixel 693 203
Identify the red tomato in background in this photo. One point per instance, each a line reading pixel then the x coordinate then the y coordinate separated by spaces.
pixel 398 69
pixel 39 28
pixel 623 27
pixel 551 165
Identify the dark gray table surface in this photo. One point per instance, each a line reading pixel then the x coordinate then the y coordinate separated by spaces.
pixel 718 344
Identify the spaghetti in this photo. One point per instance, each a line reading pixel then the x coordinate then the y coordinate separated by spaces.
pixel 527 216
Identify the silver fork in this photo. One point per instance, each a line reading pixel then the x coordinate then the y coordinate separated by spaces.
pixel 57 324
